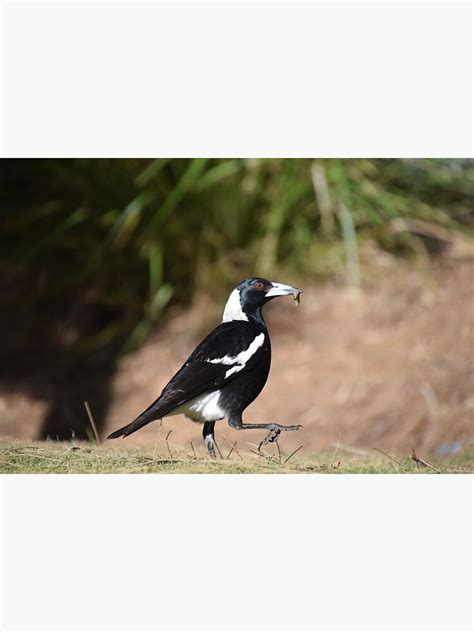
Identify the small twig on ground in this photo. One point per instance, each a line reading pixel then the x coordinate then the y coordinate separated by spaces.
pixel 157 437
pixel 387 455
pixel 238 453
pixel 293 453
pixel 259 450
pixel 231 450
pixel 220 453
pixel 336 448
pixel 268 458
pixel 319 468
pixel 153 461
pixel 279 451
pixel 234 447
pixel 167 444
pixel 418 461
pixel 92 422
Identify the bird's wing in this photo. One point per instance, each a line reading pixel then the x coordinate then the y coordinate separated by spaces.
pixel 230 349
pixel 226 352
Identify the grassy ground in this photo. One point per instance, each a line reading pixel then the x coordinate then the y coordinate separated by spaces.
pixel 67 458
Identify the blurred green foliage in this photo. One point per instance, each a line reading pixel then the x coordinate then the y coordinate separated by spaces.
pixel 135 236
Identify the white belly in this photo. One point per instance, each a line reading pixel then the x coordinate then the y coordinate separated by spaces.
pixel 202 408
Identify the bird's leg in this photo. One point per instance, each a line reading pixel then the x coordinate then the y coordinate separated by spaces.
pixel 275 429
pixel 208 436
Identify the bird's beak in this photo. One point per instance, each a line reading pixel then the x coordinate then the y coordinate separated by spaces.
pixel 280 289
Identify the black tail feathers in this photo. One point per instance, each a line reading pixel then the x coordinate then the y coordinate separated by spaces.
pixel 156 410
pixel 135 425
pixel 121 432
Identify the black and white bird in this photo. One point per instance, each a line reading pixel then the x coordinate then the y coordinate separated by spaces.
pixel 226 371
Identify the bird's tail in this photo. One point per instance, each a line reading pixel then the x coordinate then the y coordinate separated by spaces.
pixel 145 418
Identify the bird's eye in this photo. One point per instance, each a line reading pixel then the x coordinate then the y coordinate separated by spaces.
pixel 258 285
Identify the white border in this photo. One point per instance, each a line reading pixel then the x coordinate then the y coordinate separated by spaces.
pixel 289 79
pixel 236 552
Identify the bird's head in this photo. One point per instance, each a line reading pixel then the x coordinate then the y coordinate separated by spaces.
pixel 250 295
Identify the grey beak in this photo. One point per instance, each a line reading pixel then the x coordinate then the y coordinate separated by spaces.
pixel 280 289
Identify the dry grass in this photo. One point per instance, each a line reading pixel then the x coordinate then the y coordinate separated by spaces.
pixel 18 457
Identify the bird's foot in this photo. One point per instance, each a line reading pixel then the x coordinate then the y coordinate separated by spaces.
pixel 275 430
pixel 210 446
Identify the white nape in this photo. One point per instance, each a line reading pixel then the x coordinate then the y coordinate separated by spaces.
pixel 241 358
pixel 202 408
pixel 233 308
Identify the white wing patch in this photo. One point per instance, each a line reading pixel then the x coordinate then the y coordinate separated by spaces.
pixel 233 308
pixel 241 359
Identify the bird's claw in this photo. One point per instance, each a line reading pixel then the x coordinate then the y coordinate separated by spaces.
pixel 270 438
pixel 275 433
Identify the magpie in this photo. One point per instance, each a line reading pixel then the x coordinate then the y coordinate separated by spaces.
pixel 226 371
